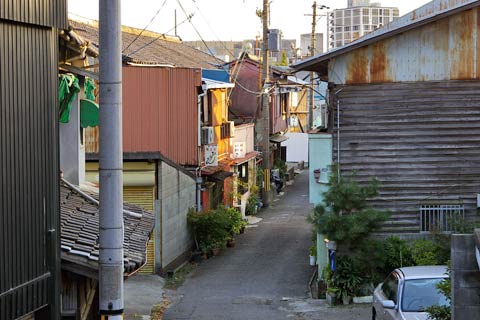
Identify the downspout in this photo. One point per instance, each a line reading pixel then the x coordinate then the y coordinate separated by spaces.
pixel 198 172
pixel 338 133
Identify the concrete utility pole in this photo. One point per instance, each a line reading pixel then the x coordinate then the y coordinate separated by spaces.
pixel 265 109
pixel 312 53
pixel 111 177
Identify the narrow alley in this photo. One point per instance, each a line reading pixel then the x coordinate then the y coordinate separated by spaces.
pixel 265 276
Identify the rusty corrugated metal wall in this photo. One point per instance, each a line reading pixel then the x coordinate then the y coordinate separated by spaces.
pixel 446 49
pixel 421 140
pixel 29 181
pixel 159 113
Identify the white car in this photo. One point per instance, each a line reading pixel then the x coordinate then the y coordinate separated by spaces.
pixel 406 292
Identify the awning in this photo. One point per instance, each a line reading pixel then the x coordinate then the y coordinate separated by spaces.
pixel 89 113
pixel 247 157
pixel 220 175
pixel 278 138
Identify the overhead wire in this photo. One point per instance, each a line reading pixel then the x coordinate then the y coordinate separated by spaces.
pixel 235 80
pixel 159 36
pixel 148 24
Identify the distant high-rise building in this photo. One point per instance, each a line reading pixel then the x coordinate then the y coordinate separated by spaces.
pixel 306 42
pixel 359 18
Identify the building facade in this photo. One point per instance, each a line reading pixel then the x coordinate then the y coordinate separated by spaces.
pixel 359 18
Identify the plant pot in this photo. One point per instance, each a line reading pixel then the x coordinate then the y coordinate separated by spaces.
pixel 313 260
pixel 331 298
pixel 242 230
pixel 197 256
pixel 231 243
pixel 216 251
pixel 346 300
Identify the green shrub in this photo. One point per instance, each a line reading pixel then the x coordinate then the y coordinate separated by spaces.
pixel 431 252
pixel 346 277
pixel 212 229
pixel 397 253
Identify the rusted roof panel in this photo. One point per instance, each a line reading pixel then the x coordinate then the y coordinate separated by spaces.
pixel 427 14
pixel 445 49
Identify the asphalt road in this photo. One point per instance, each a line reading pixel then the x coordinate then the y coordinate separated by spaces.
pixel 265 276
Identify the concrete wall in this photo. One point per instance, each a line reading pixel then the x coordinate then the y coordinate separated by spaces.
pixel 465 279
pixel 320 149
pixel 177 193
pixel 72 151
pixel 297 147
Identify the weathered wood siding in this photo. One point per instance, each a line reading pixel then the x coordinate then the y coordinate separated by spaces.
pixel 421 140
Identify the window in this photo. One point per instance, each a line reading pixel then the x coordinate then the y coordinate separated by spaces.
pixel 419 294
pixel 441 217
pixel 390 287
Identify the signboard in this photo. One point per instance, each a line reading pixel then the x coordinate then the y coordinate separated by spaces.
pixel 211 155
pixel 239 150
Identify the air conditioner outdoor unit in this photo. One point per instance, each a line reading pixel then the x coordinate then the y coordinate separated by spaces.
pixel 207 135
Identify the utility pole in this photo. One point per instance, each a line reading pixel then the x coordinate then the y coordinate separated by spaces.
pixel 312 53
pixel 265 109
pixel 111 177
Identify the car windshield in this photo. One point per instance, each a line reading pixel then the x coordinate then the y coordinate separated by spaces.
pixel 419 294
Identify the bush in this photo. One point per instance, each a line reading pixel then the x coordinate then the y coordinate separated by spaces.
pixel 397 253
pixel 346 277
pixel 430 252
pixel 212 229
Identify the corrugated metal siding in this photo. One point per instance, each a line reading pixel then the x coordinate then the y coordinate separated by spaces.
pixel 48 13
pixel 447 49
pixel 144 197
pixel 160 112
pixel 421 140
pixel 29 185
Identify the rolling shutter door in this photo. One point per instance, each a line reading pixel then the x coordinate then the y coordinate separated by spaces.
pixel 144 197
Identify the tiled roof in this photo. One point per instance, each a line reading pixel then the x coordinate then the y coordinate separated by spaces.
pixel 157 48
pixel 80 235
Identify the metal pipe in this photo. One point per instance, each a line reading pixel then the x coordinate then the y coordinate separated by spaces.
pixel 111 264
pixel 338 139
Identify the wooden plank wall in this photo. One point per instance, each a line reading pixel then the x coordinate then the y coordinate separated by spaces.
pixel 421 140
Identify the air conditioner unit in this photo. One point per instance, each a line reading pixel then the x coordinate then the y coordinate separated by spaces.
pixel 207 135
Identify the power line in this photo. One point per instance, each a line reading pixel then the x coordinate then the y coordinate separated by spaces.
pixel 159 36
pixel 148 24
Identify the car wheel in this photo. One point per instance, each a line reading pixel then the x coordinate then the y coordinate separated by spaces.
pixel 374 314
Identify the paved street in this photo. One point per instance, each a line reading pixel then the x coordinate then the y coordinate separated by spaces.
pixel 265 276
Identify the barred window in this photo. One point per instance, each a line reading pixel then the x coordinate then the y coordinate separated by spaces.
pixel 441 217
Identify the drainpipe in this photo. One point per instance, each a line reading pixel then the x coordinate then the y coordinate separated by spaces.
pixel 338 133
pixel 198 172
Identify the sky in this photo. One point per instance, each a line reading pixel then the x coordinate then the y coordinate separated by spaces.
pixel 224 19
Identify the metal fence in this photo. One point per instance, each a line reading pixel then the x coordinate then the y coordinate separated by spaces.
pixel 441 217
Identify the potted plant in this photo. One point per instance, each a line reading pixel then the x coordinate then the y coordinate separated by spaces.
pixel 346 278
pixel 332 294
